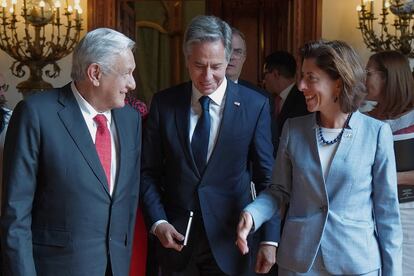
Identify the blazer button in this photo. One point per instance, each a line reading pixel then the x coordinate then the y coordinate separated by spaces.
pixel 324 208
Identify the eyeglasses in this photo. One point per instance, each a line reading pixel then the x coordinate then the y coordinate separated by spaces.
pixel 4 87
pixel 370 72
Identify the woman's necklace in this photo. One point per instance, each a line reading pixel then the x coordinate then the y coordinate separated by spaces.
pixel 338 138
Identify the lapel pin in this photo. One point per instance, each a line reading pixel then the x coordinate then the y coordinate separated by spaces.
pixel 237 103
pixel 348 135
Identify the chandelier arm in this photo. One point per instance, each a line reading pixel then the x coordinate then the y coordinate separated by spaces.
pixel 55 72
pixel 68 30
pixel 4 41
pixel 17 69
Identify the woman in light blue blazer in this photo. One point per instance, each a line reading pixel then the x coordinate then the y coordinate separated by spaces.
pixel 336 170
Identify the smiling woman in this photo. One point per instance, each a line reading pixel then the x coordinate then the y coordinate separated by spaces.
pixel 331 178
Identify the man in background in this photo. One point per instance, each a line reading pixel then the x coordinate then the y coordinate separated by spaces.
pixel 238 55
pixel 237 59
pixel 72 168
pixel 199 141
pixel 286 99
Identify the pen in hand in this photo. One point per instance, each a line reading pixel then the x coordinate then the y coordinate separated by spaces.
pixel 187 231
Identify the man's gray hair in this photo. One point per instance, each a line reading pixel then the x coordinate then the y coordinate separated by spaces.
pixel 101 46
pixel 205 28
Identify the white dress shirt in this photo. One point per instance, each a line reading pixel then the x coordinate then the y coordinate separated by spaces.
pixel 284 94
pixel 88 113
pixel 216 113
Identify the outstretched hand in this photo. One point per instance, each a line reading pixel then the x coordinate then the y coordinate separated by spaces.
pixel 168 236
pixel 243 230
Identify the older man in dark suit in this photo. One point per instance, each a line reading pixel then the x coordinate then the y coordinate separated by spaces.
pixel 200 139
pixel 71 168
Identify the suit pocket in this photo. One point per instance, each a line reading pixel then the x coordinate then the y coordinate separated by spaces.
pixel 48 237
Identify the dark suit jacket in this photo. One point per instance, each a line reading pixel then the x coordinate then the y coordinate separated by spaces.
pixel 254 87
pixel 172 185
pixel 294 106
pixel 58 216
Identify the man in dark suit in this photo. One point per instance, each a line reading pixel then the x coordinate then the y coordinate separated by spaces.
pixel 71 168
pixel 286 99
pixel 200 139
pixel 237 59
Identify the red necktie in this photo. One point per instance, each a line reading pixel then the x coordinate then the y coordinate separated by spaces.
pixel 278 100
pixel 103 145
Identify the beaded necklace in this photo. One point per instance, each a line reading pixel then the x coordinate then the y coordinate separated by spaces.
pixel 338 138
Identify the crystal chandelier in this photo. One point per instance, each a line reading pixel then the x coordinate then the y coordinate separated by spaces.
pixel 40 34
pixel 393 29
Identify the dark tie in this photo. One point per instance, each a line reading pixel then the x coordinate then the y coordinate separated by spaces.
pixel 201 135
pixel 103 145
pixel 278 100
pixel 2 122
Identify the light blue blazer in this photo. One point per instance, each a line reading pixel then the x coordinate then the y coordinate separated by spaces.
pixel 352 216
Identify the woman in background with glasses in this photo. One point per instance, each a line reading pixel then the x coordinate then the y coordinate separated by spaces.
pixel 390 83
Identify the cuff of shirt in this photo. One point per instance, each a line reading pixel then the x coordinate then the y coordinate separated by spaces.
pixel 154 226
pixel 276 244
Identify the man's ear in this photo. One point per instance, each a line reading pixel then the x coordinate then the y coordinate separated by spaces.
pixel 94 73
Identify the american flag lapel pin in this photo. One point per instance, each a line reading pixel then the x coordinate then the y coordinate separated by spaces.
pixel 237 103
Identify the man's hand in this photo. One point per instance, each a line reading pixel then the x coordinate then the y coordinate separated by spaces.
pixel 243 229
pixel 168 236
pixel 266 258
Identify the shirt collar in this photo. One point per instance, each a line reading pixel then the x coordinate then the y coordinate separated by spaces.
pixel 85 107
pixel 217 96
pixel 286 91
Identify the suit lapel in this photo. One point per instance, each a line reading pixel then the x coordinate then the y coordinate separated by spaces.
pixel 118 117
pixel 312 136
pixel 182 120
pixel 74 122
pixel 345 145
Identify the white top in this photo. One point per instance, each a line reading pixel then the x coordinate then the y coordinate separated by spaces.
pixel 89 113
pixel 327 152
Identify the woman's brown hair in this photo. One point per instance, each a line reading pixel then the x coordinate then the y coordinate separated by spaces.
pixel 397 97
pixel 340 61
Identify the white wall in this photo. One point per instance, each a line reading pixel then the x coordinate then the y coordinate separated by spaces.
pixel 12 96
pixel 340 21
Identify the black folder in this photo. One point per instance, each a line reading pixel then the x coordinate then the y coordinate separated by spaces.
pixel 404 154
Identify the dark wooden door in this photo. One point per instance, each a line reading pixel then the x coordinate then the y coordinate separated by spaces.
pixel 269 25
